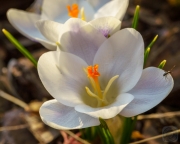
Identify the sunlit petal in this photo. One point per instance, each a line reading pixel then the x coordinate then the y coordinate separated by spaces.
pixel 60 116
pixel 150 90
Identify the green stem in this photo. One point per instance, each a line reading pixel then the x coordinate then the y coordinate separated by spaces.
pixel 104 133
pixel 125 131
pixel 134 123
pixel 128 127
pixel 89 133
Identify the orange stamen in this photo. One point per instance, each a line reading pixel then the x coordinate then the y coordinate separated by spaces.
pixel 92 71
pixel 99 94
pixel 73 11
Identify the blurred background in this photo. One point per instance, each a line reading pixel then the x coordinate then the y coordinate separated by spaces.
pixel 19 78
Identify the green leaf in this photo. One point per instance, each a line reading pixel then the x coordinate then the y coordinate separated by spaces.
pixel 126 130
pixel 162 64
pixel 22 49
pixel 136 17
pixel 89 133
pixel 146 54
pixel 104 132
pixel 103 123
pixel 152 42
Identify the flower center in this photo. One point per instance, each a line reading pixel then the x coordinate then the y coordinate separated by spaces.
pixel 73 11
pixel 98 93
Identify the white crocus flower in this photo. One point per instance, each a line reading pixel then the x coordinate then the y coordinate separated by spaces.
pixel 60 11
pixel 112 81
pixel 52 31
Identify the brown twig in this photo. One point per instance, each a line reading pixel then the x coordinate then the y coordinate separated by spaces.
pixel 10 128
pixel 156 137
pixel 14 100
pixel 159 115
pixel 76 137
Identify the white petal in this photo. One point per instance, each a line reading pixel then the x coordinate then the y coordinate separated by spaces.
pixel 72 24
pixel 72 66
pixel 63 76
pixel 151 89
pixel 56 10
pixel 97 3
pixel 24 22
pixel 60 116
pixel 47 44
pixel 53 30
pixel 107 111
pixel 73 81
pixel 83 43
pixel 115 8
pixel 88 10
pixel 122 54
pixel 106 25
pixel 49 29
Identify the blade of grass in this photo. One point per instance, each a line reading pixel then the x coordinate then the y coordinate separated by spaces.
pixel 146 54
pixel 136 17
pixel 162 64
pixel 147 50
pixel 152 42
pixel 21 48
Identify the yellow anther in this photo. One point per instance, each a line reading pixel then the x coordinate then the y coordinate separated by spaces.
pixel 83 17
pixel 109 85
pixel 100 95
pixel 58 44
pixel 90 93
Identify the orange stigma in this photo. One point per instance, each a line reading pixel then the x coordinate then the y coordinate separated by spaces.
pixel 98 92
pixel 73 11
pixel 92 71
